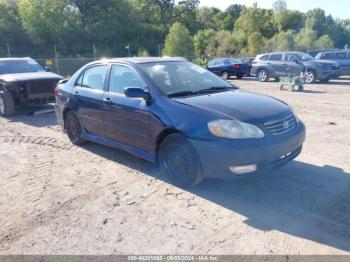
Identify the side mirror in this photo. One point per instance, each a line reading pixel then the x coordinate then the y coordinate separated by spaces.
pixel 48 69
pixel 137 92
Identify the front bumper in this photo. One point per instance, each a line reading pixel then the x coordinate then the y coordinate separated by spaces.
pixel 218 156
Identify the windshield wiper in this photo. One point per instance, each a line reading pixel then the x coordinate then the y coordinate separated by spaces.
pixel 182 93
pixel 215 89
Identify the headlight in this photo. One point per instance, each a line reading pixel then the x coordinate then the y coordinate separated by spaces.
pixel 234 129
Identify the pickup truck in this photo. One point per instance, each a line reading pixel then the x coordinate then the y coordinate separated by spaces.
pixel 25 82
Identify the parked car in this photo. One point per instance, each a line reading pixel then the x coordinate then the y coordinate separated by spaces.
pixel 342 57
pixel 170 110
pixel 275 65
pixel 248 60
pixel 24 82
pixel 228 67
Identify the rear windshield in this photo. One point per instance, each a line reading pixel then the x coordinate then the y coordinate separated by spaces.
pixel 19 66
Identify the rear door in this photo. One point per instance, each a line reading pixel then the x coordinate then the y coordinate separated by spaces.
pixel 88 91
pixel 126 119
pixel 340 58
pixel 215 66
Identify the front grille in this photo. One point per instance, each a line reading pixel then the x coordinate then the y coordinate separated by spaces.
pixel 41 87
pixel 281 126
pixel 335 68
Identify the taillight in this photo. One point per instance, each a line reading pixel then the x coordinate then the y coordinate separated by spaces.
pixel 235 66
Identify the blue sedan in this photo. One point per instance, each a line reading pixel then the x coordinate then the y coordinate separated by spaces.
pixel 171 111
pixel 227 67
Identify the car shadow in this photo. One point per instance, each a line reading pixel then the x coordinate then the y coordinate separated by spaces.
pixel 299 199
pixel 38 116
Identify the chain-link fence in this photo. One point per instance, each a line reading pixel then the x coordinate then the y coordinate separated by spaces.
pixel 65 60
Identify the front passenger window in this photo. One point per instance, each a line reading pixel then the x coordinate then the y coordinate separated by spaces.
pixel 94 77
pixel 122 77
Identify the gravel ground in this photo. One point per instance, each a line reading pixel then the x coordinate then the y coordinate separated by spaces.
pixel 56 198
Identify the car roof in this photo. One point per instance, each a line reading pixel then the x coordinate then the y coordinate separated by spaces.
pixel 333 52
pixel 142 60
pixel 14 58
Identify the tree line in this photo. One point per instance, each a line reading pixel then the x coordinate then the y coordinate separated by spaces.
pixel 168 27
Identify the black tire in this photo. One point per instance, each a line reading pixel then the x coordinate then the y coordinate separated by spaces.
pixel 263 75
pixel 7 104
pixel 239 76
pixel 324 81
pixel 179 161
pixel 310 77
pixel 225 75
pixel 277 79
pixel 73 128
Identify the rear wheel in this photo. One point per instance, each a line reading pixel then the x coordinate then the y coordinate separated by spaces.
pixel 225 75
pixel 73 128
pixel 263 75
pixel 239 76
pixel 179 161
pixel 7 104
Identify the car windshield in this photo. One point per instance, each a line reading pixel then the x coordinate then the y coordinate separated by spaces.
pixel 184 78
pixel 305 57
pixel 19 66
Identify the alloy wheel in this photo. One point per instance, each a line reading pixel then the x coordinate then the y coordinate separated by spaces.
pixel 262 75
pixel 309 77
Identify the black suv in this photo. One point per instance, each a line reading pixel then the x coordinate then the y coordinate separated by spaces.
pixel 275 65
pixel 342 57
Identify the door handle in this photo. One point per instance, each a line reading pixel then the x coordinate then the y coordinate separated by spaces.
pixel 108 101
pixel 76 93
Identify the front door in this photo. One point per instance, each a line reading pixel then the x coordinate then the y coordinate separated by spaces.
pixel 126 119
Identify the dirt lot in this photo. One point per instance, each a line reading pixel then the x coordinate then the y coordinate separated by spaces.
pixel 56 198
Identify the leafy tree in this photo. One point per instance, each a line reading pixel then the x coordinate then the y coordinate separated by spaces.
pixel 305 39
pixel 324 42
pixel 201 40
pixel 178 42
pixel 221 44
pixel 282 41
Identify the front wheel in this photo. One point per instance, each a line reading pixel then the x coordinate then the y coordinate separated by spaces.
pixel 179 161
pixel 7 104
pixel 73 128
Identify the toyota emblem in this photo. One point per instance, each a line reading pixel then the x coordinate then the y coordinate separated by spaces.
pixel 285 124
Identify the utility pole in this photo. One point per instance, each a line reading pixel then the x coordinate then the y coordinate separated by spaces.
pixel 56 59
pixel 94 49
pixel 8 50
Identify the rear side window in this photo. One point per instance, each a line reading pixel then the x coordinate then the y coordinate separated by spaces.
pixel 326 56
pixel 264 57
pixel 275 57
pixel 93 77
pixel 340 55
pixel 122 77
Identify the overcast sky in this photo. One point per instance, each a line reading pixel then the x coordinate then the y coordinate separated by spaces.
pixel 337 8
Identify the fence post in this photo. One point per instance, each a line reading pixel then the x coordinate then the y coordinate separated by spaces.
pixel 94 49
pixel 8 50
pixel 56 59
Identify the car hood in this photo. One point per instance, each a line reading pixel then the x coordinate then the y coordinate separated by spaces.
pixel 30 76
pixel 240 105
